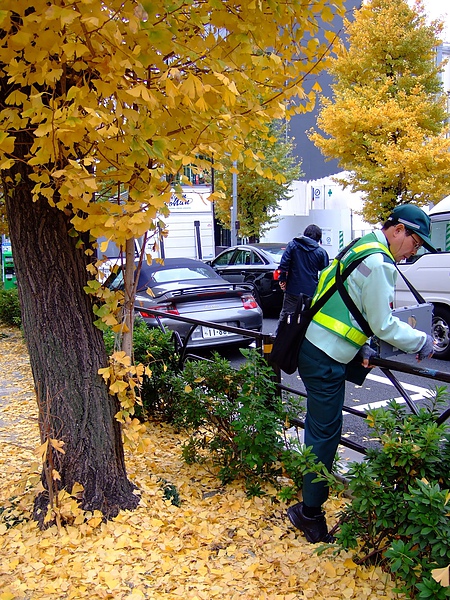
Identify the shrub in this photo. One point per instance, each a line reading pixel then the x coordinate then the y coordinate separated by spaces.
pixel 234 419
pixel 9 307
pixel 398 516
pixel 155 349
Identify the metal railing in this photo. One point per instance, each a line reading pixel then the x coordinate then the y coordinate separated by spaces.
pixel 264 343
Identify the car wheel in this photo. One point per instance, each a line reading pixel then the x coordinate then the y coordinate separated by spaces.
pixel 441 332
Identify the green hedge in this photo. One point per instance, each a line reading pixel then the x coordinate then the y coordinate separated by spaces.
pixel 399 515
pixel 10 307
pixel 155 349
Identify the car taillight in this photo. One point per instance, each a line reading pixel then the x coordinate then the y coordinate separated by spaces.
pixel 249 301
pixel 146 313
pixel 276 274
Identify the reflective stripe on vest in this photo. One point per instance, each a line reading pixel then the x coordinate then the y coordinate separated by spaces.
pixel 349 333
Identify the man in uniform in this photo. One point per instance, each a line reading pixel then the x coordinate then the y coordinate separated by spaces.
pixel 334 338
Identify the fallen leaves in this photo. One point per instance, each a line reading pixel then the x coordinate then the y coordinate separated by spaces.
pixel 442 576
pixel 217 544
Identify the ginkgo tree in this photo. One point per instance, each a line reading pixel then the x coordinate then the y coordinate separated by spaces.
pixel 386 123
pixel 259 196
pixel 102 104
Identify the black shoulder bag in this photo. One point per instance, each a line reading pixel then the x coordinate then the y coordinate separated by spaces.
pixel 292 329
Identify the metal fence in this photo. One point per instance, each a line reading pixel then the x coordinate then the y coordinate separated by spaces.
pixel 264 346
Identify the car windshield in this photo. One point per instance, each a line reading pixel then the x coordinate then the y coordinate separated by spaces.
pixel 276 252
pixel 181 274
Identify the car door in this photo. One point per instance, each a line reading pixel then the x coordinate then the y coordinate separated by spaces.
pixel 249 267
pixel 230 264
pixel 260 274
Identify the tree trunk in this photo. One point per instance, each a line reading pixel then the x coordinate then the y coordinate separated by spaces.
pixel 66 351
pixel 130 293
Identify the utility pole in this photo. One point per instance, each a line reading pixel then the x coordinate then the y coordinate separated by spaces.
pixel 234 212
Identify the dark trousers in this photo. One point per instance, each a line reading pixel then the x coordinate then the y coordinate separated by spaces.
pixel 324 380
pixel 290 302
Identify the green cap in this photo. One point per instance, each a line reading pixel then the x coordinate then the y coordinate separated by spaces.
pixel 416 220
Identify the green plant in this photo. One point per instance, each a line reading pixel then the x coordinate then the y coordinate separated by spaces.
pixel 170 492
pixel 399 513
pixel 9 307
pixel 235 418
pixel 154 348
pixel 298 460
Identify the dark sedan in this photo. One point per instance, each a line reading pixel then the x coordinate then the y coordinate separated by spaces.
pixel 192 289
pixel 256 264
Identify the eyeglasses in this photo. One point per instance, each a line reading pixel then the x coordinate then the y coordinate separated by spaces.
pixel 417 242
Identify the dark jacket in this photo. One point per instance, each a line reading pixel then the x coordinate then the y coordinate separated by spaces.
pixel 300 264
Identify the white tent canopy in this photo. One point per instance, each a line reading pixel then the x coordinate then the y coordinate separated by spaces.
pixel 441 207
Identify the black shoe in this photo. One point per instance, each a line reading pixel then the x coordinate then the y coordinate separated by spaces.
pixel 315 528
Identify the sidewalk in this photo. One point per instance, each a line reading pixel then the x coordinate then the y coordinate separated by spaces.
pixel 221 545
pixel 15 380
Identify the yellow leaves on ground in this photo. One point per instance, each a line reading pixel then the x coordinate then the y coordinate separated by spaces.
pixel 217 544
pixel 442 576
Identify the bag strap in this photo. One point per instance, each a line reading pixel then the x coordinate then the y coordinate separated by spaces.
pixel 346 249
pixel 333 288
pixel 413 290
pixel 356 313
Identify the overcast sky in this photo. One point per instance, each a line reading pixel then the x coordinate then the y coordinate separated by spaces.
pixel 438 9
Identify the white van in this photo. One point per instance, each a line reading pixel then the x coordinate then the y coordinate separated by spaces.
pixel 430 275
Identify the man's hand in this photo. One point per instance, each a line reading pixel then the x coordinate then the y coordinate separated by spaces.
pixel 282 285
pixel 365 353
pixel 427 349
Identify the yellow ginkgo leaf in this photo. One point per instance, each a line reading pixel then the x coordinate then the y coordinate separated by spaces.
pixel 57 445
pixel 442 576
pixel 41 452
pixel 95 521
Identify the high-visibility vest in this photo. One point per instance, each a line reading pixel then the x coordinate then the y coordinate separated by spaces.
pixel 334 315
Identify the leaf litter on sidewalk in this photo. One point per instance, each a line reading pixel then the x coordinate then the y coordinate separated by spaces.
pixel 216 544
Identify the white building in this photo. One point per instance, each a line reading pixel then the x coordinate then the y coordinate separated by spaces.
pixel 328 205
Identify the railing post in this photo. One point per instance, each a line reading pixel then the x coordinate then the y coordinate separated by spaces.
pixel 267 343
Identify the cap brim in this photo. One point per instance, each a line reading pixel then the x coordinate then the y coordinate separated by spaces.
pixel 426 242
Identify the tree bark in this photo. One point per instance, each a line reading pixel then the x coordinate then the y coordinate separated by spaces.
pixel 130 293
pixel 66 351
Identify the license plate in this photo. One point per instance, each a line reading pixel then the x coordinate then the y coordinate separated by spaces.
pixel 210 332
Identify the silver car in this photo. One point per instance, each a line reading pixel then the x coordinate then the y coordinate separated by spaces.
pixel 190 288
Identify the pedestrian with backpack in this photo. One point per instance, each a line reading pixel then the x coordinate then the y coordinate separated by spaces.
pixel 299 267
